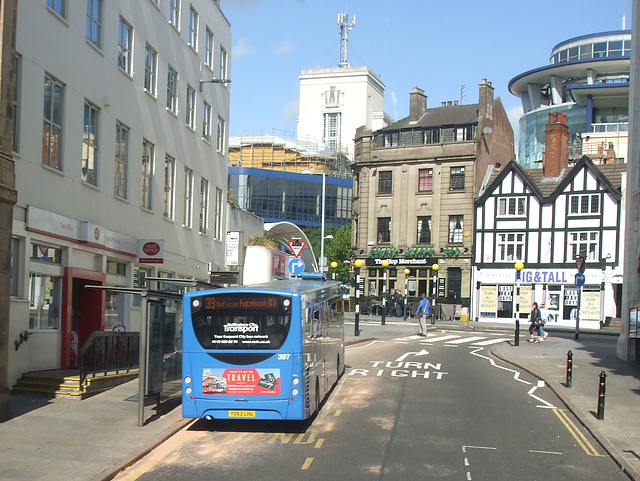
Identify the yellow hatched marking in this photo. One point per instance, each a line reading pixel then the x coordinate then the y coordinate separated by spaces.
pixel 319 443
pixel 306 464
pixel 577 435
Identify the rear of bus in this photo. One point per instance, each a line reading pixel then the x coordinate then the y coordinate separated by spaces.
pixel 242 355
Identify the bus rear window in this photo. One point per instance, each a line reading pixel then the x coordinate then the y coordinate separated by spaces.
pixel 241 321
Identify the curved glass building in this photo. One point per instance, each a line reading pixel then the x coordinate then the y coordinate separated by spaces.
pixel 588 79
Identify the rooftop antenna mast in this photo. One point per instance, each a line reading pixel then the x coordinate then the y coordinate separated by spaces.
pixel 345 27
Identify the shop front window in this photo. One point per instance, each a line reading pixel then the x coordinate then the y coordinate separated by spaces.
pixel 44 301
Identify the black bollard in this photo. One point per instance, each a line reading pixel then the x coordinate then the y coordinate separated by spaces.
pixel 569 368
pixel 516 341
pixel 601 393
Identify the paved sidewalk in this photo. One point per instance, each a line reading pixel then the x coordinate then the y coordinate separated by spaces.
pixel 91 440
pixel 71 440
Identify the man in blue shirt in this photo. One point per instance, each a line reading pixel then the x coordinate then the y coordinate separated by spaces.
pixel 424 310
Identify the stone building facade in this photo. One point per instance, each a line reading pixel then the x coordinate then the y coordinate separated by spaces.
pixel 415 182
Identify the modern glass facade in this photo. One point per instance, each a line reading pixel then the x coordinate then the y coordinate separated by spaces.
pixel 588 80
pixel 297 198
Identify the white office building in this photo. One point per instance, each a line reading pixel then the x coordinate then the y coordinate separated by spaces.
pixel 334 102
pixel 120 156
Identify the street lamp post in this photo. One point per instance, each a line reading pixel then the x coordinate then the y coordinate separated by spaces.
pixel 516 305
pixel 322 223
pixel 357 264
pixel 434 268
pixel 321 265
pixel 406 292
pixel 385 264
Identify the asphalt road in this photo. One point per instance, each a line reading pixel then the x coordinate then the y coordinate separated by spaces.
pixel 407 408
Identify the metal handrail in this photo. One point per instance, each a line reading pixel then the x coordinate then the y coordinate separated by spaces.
pixel 109 352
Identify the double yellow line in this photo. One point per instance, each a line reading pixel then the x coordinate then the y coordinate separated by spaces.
pixel 577 435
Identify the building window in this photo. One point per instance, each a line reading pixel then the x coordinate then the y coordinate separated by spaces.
pixel 58 6
pixel 332 129
pixel 424 230
pixel 456 229
pixel 52 124
pixel 45 296
pixel 583 244
pixel 385 182
pixel 169 185
pixel 90 145
pixel 584 204
pixel 456 182
pixel 147 174
pixel 512 206
pixel 174 13
pixel 384 230
pixel 463 133
pixel 219 210
pixel 16 107
pixel 203 226
pixel 94 21
pixel 172 90
pixel 223 64
pixel 208 48
pixel 425 180
pixel 116 268
pixel 193 28
pixel 150 66
pixel 188 197
pixel 190 107
pixel 431 136
pixel 122 152
pixel 221 133
pixel 206 121
pixel 510 247
pixel 125 42
pixel 43 253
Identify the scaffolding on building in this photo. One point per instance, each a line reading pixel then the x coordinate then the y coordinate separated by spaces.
pixel 282 151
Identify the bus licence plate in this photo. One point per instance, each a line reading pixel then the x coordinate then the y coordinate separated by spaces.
pixel 242 414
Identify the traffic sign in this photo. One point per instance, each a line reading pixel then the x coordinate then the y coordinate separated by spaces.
pixel 579 279
pixel 296 267
pixel 297 246
pixel 580 264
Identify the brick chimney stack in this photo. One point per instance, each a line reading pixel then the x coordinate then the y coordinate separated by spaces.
pixel 556 156
pixel 417 104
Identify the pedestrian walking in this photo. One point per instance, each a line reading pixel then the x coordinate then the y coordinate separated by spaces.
pixel 399 303
pixel 536 321
pixel 424 310
pixel 544 316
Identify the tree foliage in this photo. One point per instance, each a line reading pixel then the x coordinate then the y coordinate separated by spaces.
pixel 336 250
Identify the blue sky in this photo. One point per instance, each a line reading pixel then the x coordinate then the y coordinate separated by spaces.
pixel 438 46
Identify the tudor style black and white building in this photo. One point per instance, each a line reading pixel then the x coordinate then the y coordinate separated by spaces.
pixel 547 218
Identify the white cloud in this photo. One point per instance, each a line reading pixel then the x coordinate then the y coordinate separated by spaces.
pixel 394 106
pixel 290 112
pixel 243 48
pixel 286 46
